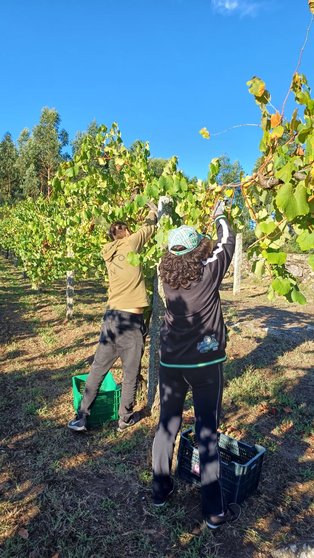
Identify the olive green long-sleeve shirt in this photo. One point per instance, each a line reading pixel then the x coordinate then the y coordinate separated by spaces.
pixel 126 281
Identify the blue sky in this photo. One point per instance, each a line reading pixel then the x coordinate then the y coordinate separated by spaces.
pixel 162 69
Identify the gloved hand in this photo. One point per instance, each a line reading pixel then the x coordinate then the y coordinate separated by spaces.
pixel 219 209
pixel 164 206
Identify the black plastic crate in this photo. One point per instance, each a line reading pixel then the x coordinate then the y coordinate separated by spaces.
pixel 241 465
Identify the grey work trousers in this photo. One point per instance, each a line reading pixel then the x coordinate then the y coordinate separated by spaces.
pixel 122 335
pixel 207 384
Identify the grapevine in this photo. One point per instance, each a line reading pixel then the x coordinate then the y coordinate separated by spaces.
pixel 106 181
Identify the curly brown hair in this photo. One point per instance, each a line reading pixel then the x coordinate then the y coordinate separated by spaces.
pixel 182 271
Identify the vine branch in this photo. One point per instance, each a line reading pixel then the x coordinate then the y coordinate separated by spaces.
pixel 233 127
pixel 298 63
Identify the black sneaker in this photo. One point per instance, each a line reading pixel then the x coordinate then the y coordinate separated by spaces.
pixel 159 499
pixel 78 423
pixel 122 425
pixel 232 513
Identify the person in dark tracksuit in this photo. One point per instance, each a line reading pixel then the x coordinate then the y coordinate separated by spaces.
pixel 192 350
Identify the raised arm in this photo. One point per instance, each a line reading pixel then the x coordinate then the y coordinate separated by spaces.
pixel 138 239
pixel 222 254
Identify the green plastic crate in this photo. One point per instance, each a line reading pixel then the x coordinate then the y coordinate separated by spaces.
pixel 107 402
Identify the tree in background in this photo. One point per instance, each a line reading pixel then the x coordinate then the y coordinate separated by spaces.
pixel 91 131
pixel 30 184
pixel 231 173
pixel 39 154
pixel 29 180
pixel 156 166
pixel 47 144
pixel 9 174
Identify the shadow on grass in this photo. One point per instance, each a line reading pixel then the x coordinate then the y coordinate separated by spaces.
pixel 86 495
pixel 278 336
pixel 13 305
pixel 89 495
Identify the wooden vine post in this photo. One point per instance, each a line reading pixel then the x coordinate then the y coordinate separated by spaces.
pixel 69 285
pixel 69 294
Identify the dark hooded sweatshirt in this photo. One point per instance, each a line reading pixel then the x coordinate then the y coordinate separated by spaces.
pixel 126 281
pixel 193 332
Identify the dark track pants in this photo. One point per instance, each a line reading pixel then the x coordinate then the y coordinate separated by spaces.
pixel 121 336
pixel 207 385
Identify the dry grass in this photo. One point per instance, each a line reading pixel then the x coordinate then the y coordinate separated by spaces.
pixel 85 496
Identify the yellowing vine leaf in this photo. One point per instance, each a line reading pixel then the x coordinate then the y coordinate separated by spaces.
pixel 297 80
pixel 275 119
pixel 204 133
pixel 256 86
pixel 228 193
pixel 311 6
pixel 277 132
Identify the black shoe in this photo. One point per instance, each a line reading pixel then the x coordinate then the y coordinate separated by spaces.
pixel 159 499
pixel 232 513
pixel 78 423
pixel 122 425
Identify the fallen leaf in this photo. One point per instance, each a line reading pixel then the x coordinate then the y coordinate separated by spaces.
pixel 23 533
pixel 264 407
pixel 287 409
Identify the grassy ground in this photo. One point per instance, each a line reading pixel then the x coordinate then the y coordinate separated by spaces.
pixel 65 495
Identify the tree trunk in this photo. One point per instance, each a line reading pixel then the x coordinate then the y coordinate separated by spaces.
pixel 165 208
pixel 48 182
pixel 156 319
pixel 237 264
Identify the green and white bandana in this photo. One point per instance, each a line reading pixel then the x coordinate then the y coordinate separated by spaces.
pixel 183 236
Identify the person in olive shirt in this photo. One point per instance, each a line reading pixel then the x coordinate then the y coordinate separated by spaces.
pixel 123 329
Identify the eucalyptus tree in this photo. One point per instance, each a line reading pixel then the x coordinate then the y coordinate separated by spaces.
pixel 40 153
pixel 30 185
pixel 9 174
pixel 91 131
pixel 48 142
